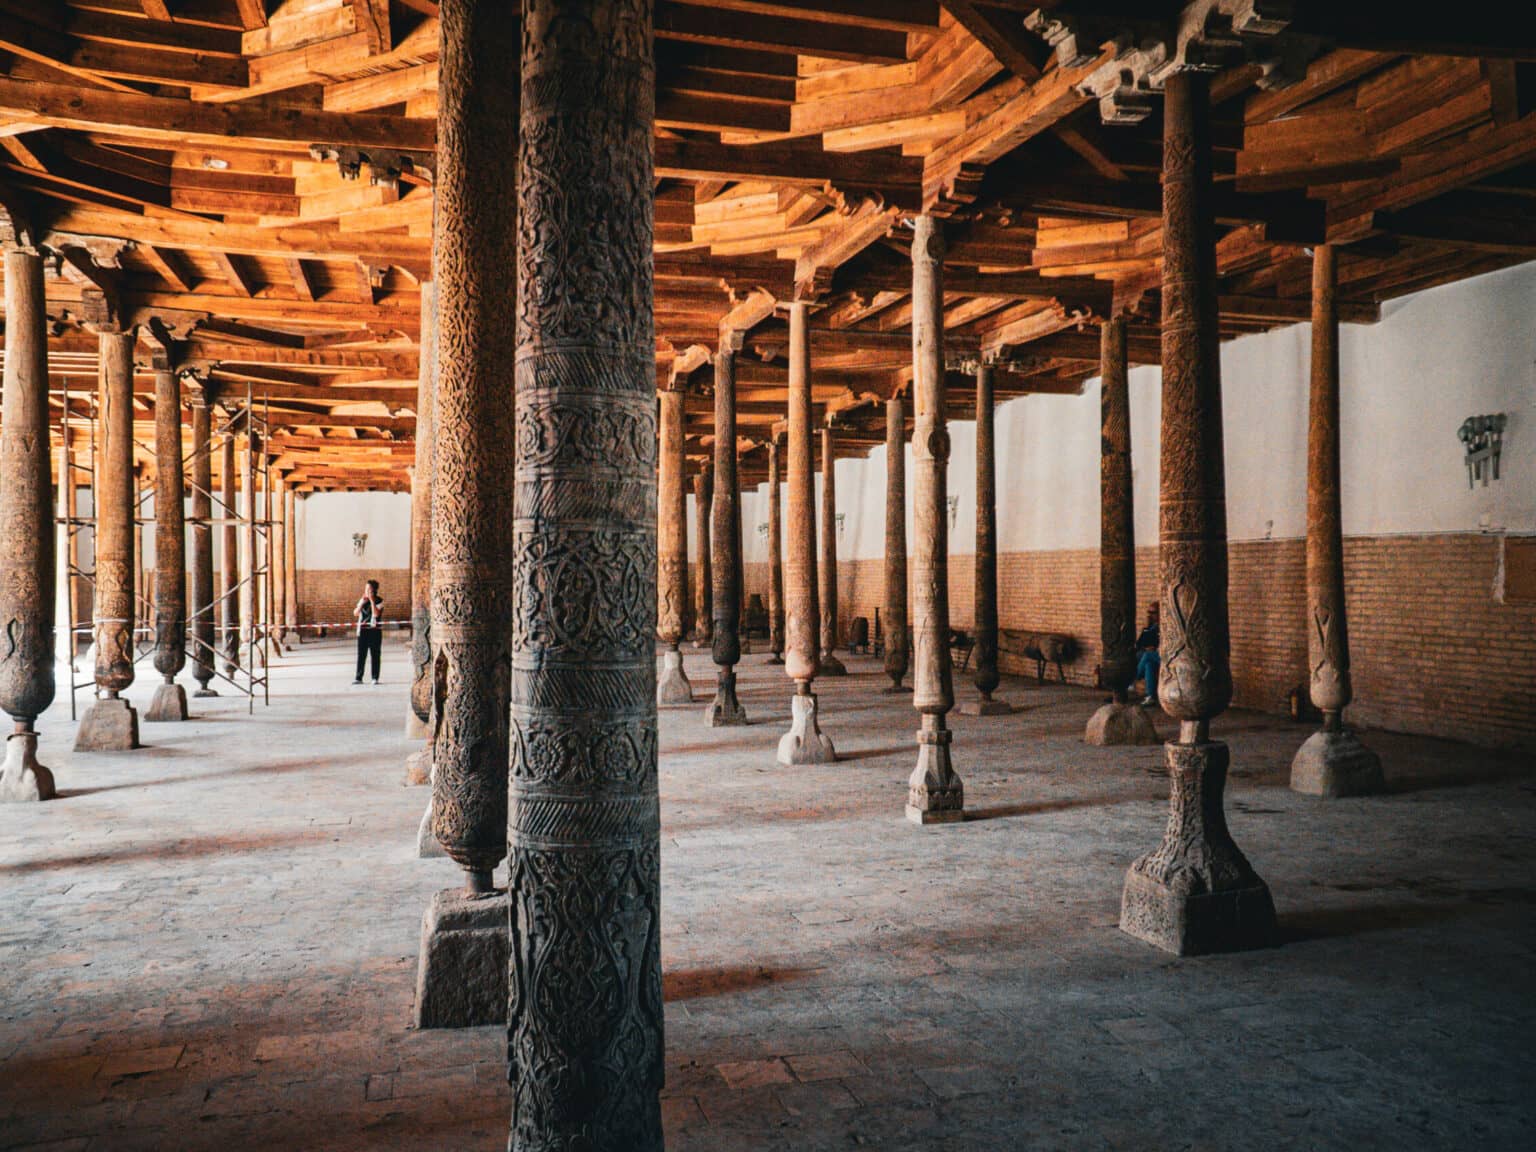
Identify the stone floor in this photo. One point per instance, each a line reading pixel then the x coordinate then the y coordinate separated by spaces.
pixel 210 943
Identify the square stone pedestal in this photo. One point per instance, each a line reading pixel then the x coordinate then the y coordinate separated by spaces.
pixel 1335 763
pixel 986 706
pixel 1193 924
pixel 169 704
pixel 109 725
pixel 461 978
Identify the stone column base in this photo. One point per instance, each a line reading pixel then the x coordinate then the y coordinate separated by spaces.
pixel 672 685
pixel 725 711
pixel 896 690
pixel 776 658
pixel 418 767
pixel 427 845
pixel 109 725
pixel 1191 923
pixel 805 742
pixel 1197 893
pixel 1120 724
pixel 935 795
pixel 415 726
pixel 986 706
pixel 203 691
pixel 1334 764
pixel 22 779
pixel 169 703
pixel 461 977
pixel 830 665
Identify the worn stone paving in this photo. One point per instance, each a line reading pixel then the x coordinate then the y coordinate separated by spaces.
pixel 211 943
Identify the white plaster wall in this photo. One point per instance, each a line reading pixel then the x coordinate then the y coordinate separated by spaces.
pixel 327 520
pixel 1408 381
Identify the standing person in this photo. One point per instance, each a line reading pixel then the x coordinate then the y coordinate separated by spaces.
pixel 1147 659
pixel 370 635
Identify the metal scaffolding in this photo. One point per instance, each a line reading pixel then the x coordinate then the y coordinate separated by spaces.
pixel 252 592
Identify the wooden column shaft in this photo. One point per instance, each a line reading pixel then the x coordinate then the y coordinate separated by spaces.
pixel 671 522
pixel 1328 635
pixel 775 553
pixel 802 611
pixel 584 1041
pixel 229 546
pixel 27 537
pixel 932 673
pixel 985 576
pixel 1195 683
pixel 827 572
pixel 1117 522
pixel 170 530
pixel 725 519
pixel 898 653
pixel 421 510
pixel 474 252
pixel 704 577
pixel 115 511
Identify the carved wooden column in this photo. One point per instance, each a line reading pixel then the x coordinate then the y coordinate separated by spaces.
pixel 420 710
pixel 277 510
pixel 898 652
pixel 27 536
pixel 934 792
pixel 704 577
pixel 201 613
pixel 111 724
pixel 229 545
pixel 725 541
pixel 672 686
pixel 1119 721
pixel 291 564
pixel 804 743
pixel 250 561
pixel 985 576
pixel 1333 761
pixel 170 699
pixel 472 533
pixel 1196 892
pixel 775 557
pixel 827 571
pixel 585 1014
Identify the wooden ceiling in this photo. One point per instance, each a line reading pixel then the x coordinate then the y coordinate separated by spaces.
pixel 256 175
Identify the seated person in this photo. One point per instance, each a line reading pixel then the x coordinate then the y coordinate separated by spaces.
pixel 1147 660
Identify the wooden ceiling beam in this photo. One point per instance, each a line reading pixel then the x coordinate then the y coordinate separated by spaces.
pixel 181 121
pixel 711 24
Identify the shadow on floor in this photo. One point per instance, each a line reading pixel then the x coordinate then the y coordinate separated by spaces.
pixel 1298 927
pixel 177 849
pixel 701 982
pixel 1037 807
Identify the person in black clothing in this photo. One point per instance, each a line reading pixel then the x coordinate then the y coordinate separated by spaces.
pixel 1147 660
pixel 370 636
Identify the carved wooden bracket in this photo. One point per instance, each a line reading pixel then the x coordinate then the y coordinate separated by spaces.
pixel 1206 36
pixel 386 167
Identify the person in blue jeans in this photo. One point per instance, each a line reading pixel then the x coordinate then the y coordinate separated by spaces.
pixel 1147 660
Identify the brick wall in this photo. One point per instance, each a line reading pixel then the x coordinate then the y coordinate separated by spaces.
pixel 1432 651
pixel 327 596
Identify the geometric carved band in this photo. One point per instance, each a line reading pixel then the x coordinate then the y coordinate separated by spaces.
pixel 581 822
pixel 581 691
